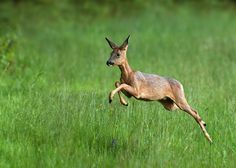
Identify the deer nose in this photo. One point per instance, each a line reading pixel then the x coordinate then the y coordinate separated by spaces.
pixel 109 63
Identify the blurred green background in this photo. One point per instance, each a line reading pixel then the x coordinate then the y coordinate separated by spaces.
pixel 54 83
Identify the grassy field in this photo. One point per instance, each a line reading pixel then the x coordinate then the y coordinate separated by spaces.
pixel 54 86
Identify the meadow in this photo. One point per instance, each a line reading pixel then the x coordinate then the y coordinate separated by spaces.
pixel 54 87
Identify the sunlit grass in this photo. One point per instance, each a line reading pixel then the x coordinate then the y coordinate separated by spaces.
pixel 54 109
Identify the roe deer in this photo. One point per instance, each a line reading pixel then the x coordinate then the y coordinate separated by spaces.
pixel 149 87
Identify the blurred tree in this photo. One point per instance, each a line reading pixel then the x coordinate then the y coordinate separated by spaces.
pixel 117 2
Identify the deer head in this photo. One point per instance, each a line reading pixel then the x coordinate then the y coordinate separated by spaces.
pixel 118 54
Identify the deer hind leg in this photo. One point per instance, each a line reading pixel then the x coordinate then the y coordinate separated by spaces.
pixel 122 100
pixel 183 105
pixel 195 111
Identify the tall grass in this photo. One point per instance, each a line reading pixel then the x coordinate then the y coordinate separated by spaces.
pixel 54 110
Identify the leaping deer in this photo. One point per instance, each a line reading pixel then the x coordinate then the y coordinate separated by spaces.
pixel 149 87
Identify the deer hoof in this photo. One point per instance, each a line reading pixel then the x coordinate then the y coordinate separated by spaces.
pixel 110 97
pixel 126 104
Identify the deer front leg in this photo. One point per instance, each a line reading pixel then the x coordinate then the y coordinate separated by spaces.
pixel 125 87
pixel 122 100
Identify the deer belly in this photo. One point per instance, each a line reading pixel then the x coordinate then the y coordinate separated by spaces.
pixel 151 93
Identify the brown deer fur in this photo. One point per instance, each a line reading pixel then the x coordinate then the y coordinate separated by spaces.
pixel 149 87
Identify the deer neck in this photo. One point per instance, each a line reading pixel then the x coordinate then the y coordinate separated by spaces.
pixel 125 71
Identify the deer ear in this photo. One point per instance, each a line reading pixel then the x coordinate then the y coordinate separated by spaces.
pixel 125 43
pixel 112 45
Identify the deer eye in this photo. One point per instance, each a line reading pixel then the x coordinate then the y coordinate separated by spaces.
pixel 118 54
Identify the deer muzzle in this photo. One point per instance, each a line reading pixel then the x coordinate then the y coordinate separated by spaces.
pixel 109 63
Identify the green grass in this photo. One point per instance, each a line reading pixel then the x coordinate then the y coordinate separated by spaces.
pixel 54 109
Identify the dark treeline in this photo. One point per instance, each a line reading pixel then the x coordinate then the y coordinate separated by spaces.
pixel 138 2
